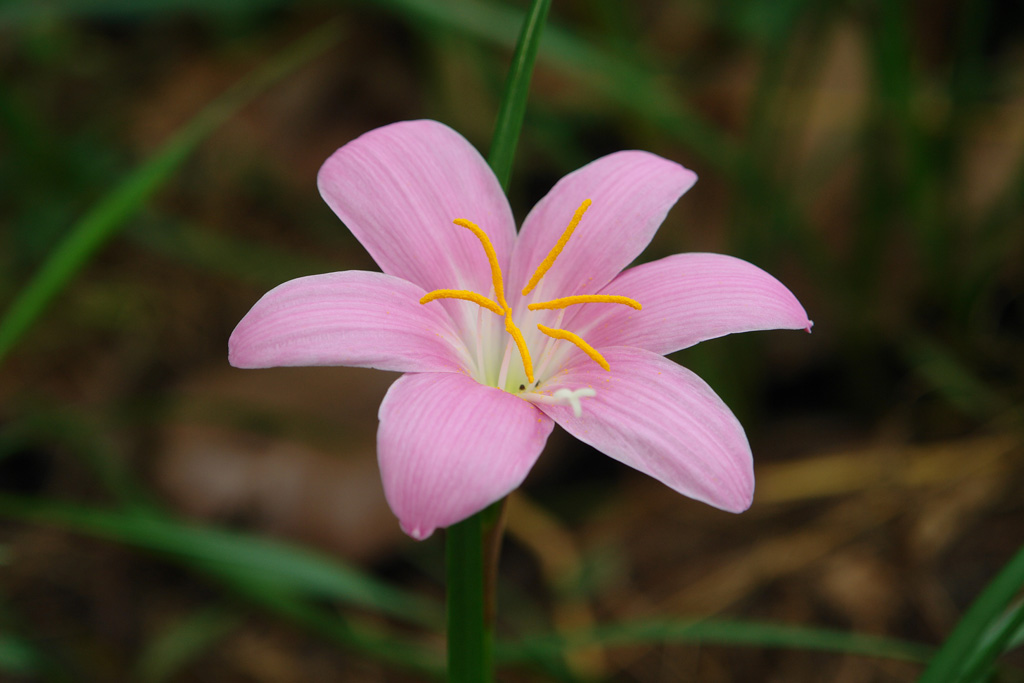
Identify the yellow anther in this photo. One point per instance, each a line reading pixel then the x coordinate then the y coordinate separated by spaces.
pixel 578 341
pixel 585 299
pixel 557 249
pixel 492 258
pixel 511 328
pixel 465 296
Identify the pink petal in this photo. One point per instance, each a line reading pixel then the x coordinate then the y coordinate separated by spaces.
pixel 631 193
pixel 448 447
pixel 663 420
pixel 351 318
pixel 398 189
pixel 686 299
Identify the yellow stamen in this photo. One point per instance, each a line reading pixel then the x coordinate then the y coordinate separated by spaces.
pixel 492 258
pixel 465 296
pixel 585 299
pixel 578 341
pixel 501 307
pixel 511 328
pixel 557 249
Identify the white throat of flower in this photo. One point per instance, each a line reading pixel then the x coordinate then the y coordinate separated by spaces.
pixel 533 391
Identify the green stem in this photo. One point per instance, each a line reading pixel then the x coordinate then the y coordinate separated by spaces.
pixel 472 548
pixel 469 635
pixel 472 545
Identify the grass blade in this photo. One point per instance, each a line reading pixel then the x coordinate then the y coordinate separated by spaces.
pixel 635 88
pixel 110 214
pixel 512 109
pixel 967 644
pixel 223 552
pixel 630 86
pixel 716 632
pixel 331 626
pixel 1002 636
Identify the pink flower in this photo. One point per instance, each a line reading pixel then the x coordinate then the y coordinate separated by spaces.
pixel 503 334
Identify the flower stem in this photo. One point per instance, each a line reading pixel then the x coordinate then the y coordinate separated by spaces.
pixel 472 546
pixel 469 635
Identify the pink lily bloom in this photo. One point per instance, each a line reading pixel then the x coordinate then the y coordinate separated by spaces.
pixel 504 334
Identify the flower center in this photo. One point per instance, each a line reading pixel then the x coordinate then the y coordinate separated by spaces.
pixel 501 307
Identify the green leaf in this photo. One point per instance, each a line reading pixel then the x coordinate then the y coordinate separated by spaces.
pixel 713 632
pixel 1017 638
pixel 968 645
pixel 231 554
pixel 512 109
pixel 332 626
pixel 1003 635
pixel 111 213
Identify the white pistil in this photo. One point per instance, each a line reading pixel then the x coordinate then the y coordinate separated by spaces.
pixel 573 398
pixel 564 396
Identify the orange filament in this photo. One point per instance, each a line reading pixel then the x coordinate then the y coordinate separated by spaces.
pixel 511 328
pixel 585 299
pixel 549 260
pixel 492 258
pixel 578 341
pixel 499 308
pixel 465 296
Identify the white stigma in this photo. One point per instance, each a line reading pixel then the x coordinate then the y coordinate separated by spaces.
pixel 572 397
pixel 561 397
